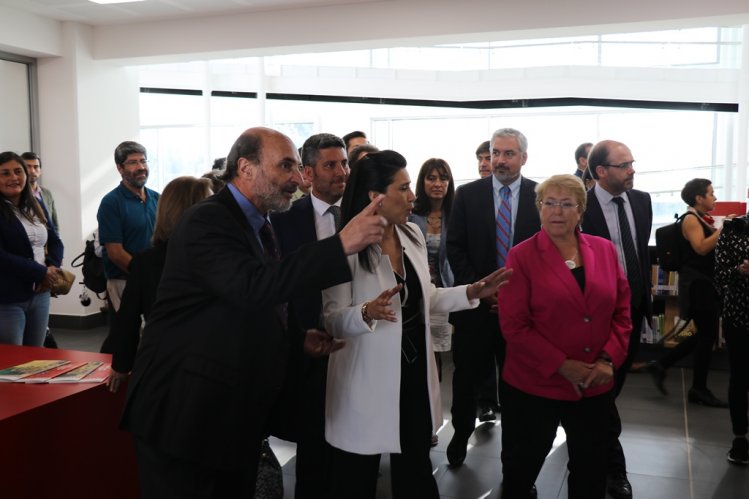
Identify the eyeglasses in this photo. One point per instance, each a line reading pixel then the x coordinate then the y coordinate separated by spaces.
pixel 622 166
pixel 565 205
pixel 136 162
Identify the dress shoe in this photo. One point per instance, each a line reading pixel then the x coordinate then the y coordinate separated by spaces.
pixel 618 486
pixel 533 494
pixel 658 373
pixel 739 453
pixel 703 396
pixel 435 440
pixel 456 450
pixel 486 412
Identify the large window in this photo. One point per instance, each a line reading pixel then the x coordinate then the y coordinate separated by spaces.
pixel 670 146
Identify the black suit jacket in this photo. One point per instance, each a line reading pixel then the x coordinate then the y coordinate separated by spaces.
pixel 471 246
pixel 295 228
pixel 595 223
pixel 213 354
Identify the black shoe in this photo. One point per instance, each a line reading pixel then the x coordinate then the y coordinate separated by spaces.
pixel 533 494
pixel 658 373
pixel 486 412
pixel 618 486
pixel 739 453
pixel 456 450
pixel 703 396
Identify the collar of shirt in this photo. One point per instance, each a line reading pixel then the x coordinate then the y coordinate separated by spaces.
pixel 251 213
pixel 320 206
pixel 514 187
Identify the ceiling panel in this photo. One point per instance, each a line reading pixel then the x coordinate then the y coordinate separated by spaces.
pixel 150 10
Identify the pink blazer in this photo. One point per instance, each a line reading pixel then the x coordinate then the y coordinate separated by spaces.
pixel 546 318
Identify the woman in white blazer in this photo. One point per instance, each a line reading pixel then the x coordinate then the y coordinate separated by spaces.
pixel 382 388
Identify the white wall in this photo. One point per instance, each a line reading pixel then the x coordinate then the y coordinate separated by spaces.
pixel 86 108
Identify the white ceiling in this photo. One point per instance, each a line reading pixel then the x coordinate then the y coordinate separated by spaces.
pixel 93 14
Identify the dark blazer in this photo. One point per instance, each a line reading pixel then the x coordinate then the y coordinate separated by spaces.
pixel 295 228
pixel 17 266
pixel 213 355
pixel 471 247
pixel 138 299
pixel 594 223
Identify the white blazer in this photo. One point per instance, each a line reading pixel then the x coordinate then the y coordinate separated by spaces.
pixel 362 404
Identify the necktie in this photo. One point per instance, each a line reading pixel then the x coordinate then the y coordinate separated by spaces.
pixel 270 245
pixel 503 226
pixel 336 212
pixel 272 253
pixel 630 254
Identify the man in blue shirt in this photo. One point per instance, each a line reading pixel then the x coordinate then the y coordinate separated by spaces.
pixel 126 217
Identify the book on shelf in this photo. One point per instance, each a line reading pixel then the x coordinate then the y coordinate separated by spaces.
pixel 77 374
pixel 44 377
pixel 20 371
pixel 664 283
pixel 100 374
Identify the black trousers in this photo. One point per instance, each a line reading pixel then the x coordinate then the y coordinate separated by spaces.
pixel 313 453
pixel 737 343
pixel 529 425
pixel 355 475
pixel 162 476
pixel 704 309
pixel 616 460
pixel 478 355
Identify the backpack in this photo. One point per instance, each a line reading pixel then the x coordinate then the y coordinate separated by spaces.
pixel 669 245
pixel 92 268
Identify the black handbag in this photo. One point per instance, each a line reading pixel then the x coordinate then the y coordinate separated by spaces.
pixel 269 483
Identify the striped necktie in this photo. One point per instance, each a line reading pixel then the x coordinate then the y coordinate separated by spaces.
pixel 630 253
pixel 503 226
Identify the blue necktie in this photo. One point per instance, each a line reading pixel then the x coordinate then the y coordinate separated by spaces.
pixel 503 226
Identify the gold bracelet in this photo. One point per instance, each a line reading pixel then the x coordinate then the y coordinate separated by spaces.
pixel 366 318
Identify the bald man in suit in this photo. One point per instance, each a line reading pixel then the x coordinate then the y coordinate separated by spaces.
pixel 623 215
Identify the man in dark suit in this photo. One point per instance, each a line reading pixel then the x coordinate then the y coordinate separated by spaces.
pixel 623 215
pixel 312 218
pixel 212 357
pixel 498 208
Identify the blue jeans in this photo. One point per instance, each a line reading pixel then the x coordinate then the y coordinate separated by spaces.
pixel 25 323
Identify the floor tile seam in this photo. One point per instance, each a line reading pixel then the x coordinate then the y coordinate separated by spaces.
pixel 685 403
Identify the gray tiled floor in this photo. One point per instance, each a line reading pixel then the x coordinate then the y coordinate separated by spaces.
pixel 674 450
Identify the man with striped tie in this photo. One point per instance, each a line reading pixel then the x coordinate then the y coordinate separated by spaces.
pixel 489 216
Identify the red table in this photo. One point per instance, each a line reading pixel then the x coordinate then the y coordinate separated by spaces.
pixel 62 440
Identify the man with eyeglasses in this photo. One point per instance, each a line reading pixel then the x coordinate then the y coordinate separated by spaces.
pixel 489 216
pixel 126 217
pixel 623 215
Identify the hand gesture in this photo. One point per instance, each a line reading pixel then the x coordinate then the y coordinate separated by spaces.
pixel 364 229
pixel 379 309
pixel 489 285
pixel 319 343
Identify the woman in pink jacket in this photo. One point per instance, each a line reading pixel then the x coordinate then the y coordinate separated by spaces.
pixel 565 317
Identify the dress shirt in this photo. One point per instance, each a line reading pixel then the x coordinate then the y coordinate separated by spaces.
pixel 514 197
pixel 611 214
pixel 253 215
pixel 324 222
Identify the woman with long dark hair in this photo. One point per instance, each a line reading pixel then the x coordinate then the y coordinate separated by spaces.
pixel 382 389
pixel 434 198
pixel 30 257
